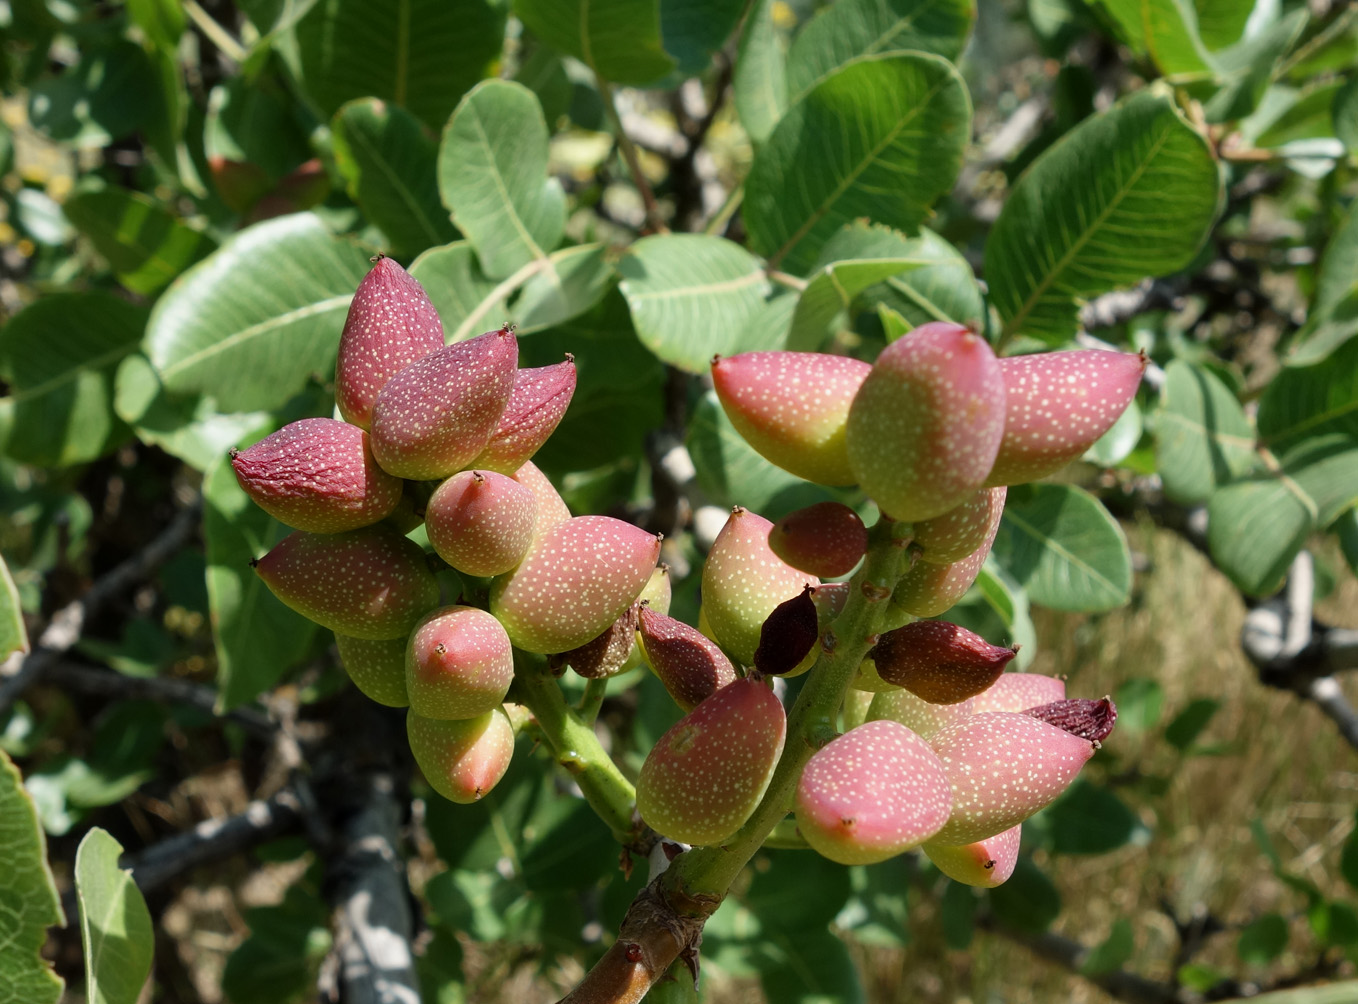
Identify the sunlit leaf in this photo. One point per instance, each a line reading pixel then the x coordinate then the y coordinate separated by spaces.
pixel 1202 437
pixel 493 176
pixel 1124 195
pixel 251 323
pixel 58 356
pixel 420 54
pixel 388 163
pixel 618 39
pixel 115 926
pixel 1064 548
pixel 29 903
pixel 881 138
pixel 692 296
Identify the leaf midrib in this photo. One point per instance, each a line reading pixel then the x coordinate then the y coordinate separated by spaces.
pixel 819 212
pixel 1050 542
pixel 494 172
pixel 255 330
pixel 403 191
pixel 724 286
pixel 1224 438
pixel 1064 261
pixel 876 46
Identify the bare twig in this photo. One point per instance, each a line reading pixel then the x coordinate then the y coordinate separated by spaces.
pixel 214 839
pixel 67 625
pixel 106 683
pixel 629 154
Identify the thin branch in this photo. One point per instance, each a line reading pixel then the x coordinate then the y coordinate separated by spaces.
pixel 107 683
pixel 633 159
pixel 215 33
pixel 784 279
pixel 68 624
pixel 214 839
pixel 373 920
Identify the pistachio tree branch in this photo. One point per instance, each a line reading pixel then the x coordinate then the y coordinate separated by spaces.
pixel 666 919
pixel 577 748
pixel 68 624
pixel 633 159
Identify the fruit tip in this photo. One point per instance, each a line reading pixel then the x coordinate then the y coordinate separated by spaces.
pixel 570 357
pixel 233 453
pixel 377 257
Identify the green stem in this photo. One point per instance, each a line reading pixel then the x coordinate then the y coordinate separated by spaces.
pixel 577 748
pixel 701 877
pixel 593 698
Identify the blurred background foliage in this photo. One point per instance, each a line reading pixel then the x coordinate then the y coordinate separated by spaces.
pixel 176 178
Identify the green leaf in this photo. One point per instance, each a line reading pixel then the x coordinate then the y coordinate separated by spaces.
pixel 808 967
pixel 1335 923
pixel 493 176
pixel 253 123
pixel 388 163
pixel 1198 977
pixel 1202 437
pixel 189 428
pixel 857 29
pixel 900 124
pixel 1346 528
pixel 832 290
pixel 29 903
pixel 618 39
pixel 13 634
pixel 420 54
pixel 691 296
pixel 618 393
pixel 1064 548
pixel 942 288
pixel 58 356
pixel 110 92
pixel 1164 30
pixel 893 324
pixel 1009 602
pixel 1189 723
pixel 576 279
pixel 730 472
pixel 115 926
pixel 1111 953
pixel 250 324
pixel 1263 941
pixel 161 20
pixel 694 29
pixel 1124 195
pixel 1348 859
pixel 1090 819
pixel 257 637
pixel 759 84
pixel 1345 112
pixel 957 915
pixel 1115 445
pixel 278 962
pixel 1221 22
pixel 146 245
pixel 1306 401
pixel 457 287
pixel 1246 70
pixel 794 892
pixel 1336 295
pixel 1028 901
pixel 1256 526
